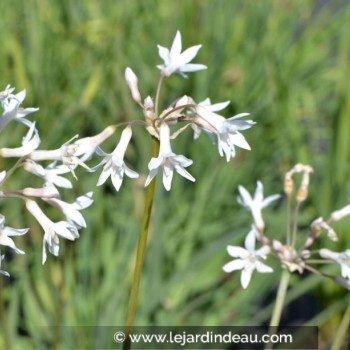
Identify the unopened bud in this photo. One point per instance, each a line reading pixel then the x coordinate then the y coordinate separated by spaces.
pixel 132 81
pixel 288 185
pixel 301 194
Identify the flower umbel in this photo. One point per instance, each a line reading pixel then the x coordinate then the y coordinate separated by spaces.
pixel 54 167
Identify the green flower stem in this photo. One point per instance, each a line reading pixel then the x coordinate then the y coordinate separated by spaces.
pixel 3 323
pixel 342 331
pixel 60 301
pixel 141 248
pixel 277 311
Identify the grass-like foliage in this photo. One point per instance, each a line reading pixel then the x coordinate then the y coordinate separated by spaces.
pixel 284 62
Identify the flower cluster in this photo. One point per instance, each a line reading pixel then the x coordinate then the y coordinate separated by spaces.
pixel 294 254
pixel 55 166
pixel 52 176
pixel 200 116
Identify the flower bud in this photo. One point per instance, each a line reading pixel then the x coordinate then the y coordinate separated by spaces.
pixel 132 81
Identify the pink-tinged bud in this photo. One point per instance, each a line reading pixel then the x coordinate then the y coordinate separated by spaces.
pixel 148 109
pixel 132 81
pixel 288 185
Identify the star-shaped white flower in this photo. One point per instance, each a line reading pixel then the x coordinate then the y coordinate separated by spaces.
pixel 256 204
pixel 6 233
pixel 53 230
pixel 12 110
pixel 114 165
pixel 226 130
pixel 247 259
pixel 177 62
pixel 342 259
pixel 168 160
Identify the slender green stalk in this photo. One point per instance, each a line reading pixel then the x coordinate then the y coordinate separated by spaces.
pixel 60 285
pixel 160 82
pixel 288 220
pixel 295 226
pixel 3 324
pixel 342 330
pixel 277 311
pixel 141 248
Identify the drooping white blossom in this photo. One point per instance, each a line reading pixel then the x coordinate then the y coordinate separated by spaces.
pixel 52 230
pixel 227 130
pixel 114 165
pixel 72 210
pixel 168 160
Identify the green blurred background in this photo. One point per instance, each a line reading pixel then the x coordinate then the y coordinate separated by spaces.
pixel 285 62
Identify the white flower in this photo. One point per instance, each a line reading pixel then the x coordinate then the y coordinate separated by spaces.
pixel 2 272
pixel 201 122
pixel 6 232
pixel 343 259
pixel 29 143
pixel 67 154
pixel 52 230
pixel 177 62
pixel 71 210
pixel 12 110
pixel 50 174
pixel 247 259
pixel 256 204
pixel 227 130
pixel 87 146
pixel 114 165
pixel 168 160
pixel 77 153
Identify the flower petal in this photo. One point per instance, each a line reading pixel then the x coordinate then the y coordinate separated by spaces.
pixel 234 265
